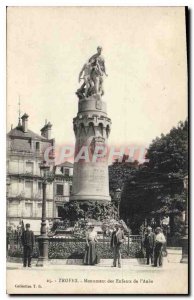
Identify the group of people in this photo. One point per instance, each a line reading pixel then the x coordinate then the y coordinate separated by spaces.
pixel 117 238
pixel 153 244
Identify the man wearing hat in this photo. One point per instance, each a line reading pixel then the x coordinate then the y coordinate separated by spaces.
pixel 117 240
pixel 159 242
pixel 149 244
pixel 28 244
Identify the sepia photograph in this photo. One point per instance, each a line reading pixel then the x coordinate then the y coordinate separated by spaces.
pixel 97 176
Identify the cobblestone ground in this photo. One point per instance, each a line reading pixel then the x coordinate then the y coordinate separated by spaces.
pixel 131 278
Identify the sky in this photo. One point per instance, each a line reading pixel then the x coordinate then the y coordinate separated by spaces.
pixel 145 55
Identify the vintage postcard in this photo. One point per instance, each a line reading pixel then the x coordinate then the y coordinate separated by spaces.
pixel 97 150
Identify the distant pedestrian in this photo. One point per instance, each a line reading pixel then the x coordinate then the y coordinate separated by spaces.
pixel 91 257
pixel 148 244
pixel 159 242
pixel 27 239
pixel 117 240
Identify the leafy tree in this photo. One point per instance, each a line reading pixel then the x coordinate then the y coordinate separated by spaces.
pixel 119 172
pixel 156 187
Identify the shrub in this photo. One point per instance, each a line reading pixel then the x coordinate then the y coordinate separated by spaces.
pixel 75 249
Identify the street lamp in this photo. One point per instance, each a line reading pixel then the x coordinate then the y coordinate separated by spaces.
pixel 47 177
pixel 184 239
pixel 118 198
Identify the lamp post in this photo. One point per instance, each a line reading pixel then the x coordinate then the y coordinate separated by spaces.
pixel 47 177
pixel 184 240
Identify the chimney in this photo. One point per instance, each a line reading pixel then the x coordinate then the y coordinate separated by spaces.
pixel 46 131
pixel 25 122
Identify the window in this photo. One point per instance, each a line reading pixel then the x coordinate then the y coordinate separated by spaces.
pixel 14 187
pixel 49 210
pixel 29 167
pixel 70 189
pixel 28 209
pixel 59 189
pixel 28 189
pixel 66 172
pixel 39 205
pixel 14 166
pixel 37 146
pixel 13 209
pixel 39 188
pixel 39 210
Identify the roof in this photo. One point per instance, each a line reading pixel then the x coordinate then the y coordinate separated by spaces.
pixel 25 116
pixel 48 125
pixel 66 164
pixel 18 132
pixel 22 145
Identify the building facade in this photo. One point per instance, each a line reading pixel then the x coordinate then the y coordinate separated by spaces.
pixel 62 186
pixel 24 184
pixel 25 151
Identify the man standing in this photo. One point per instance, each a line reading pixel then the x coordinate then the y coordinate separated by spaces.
pixel 99 70
pixel 98 57
pixel 159 242
pixel 149 245
pixel 117 240
pixel 28 244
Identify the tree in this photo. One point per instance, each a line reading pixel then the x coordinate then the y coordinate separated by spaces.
pixel 120 171
pixel 156 187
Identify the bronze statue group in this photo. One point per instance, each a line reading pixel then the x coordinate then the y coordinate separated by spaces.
pixel 92 74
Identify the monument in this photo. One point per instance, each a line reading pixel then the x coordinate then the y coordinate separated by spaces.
pixel 92 128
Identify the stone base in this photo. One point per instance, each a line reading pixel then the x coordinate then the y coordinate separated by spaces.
pixel 92 103
pixel 42 262
pixel 90 198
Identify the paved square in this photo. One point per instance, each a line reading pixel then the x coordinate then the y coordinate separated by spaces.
pixel 132 278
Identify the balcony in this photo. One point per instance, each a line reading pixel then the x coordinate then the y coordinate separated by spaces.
pixel 59 198
pixel 24 196
pixel 24 175
pixel 63 177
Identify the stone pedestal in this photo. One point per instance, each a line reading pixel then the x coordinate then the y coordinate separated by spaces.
pixel 91 128
pixel 43 249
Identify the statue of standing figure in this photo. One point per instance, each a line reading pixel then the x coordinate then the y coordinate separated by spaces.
pixel 92 72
